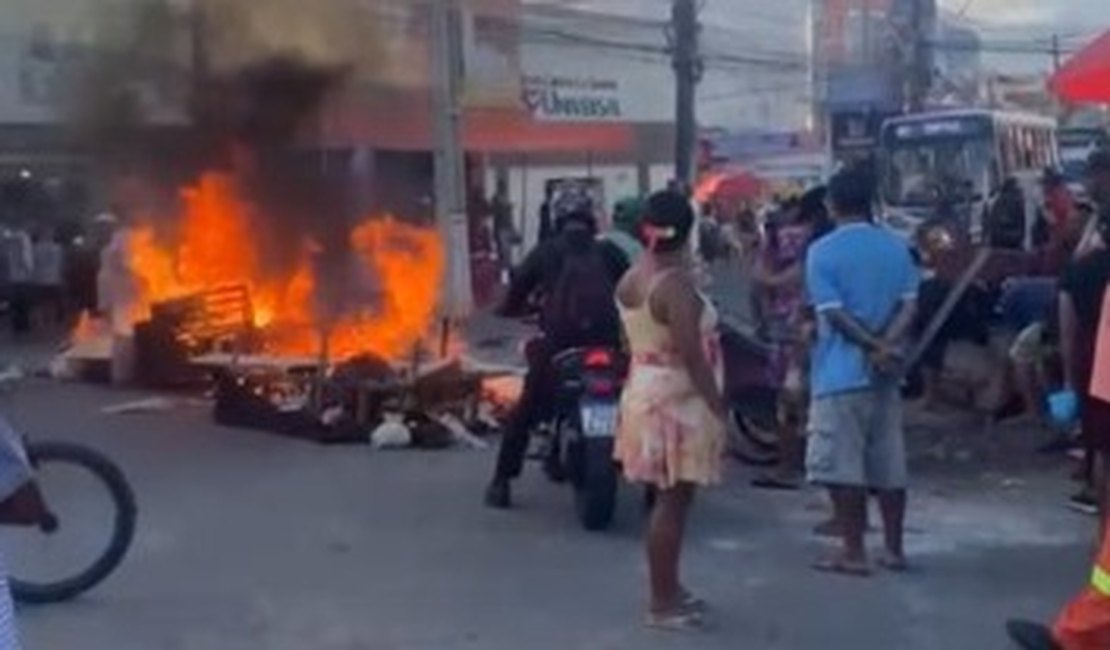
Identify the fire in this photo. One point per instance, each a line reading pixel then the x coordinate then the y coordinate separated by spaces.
pixel 86 328
pixel 395 287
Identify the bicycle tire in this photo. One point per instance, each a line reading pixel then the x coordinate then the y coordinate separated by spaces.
pixel 123 529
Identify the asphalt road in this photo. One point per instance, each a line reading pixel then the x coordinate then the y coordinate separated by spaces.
pixel 254 542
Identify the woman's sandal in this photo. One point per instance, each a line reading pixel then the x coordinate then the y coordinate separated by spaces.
pixel 840 566
pixel 693 603
pixel 893 563
pixel 683 619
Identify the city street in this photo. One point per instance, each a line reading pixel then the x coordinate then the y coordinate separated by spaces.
pixel 249 541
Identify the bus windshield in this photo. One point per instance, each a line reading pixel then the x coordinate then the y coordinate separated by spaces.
pixel 920 171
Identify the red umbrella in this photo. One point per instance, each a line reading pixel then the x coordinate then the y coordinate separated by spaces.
pixel 730 187
pixel 1085 78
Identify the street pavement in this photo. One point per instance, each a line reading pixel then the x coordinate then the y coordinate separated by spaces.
pixel 248 541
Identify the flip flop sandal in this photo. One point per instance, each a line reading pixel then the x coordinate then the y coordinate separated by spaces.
pixel 681 620
pixel 839 566
pixel 775 483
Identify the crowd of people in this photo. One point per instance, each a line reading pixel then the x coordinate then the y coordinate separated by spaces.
pixel 832 300
pixel 33 277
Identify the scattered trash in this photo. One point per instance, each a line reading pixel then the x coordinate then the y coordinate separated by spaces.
pixel 391 434
pixel 148 405
pixel 332 415
pixel 462 435
pixel 429 433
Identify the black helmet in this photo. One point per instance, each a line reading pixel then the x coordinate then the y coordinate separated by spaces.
pixel 574 206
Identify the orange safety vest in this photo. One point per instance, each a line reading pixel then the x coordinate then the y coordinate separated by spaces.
pixel 1085 622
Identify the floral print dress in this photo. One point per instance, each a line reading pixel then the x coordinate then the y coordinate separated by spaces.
pixel 667 434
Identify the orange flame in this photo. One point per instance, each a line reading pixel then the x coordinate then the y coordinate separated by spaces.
pixel 217 247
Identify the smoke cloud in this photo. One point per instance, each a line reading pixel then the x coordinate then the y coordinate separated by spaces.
pixel 248 82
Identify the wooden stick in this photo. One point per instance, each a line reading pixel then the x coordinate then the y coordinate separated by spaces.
pixel 947 307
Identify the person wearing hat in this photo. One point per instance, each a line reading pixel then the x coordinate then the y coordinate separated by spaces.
pixel 625 234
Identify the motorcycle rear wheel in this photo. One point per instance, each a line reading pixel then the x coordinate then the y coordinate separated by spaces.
pixel 595 486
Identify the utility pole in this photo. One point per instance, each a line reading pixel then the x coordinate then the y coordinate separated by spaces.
pixel 450 173
pixel 688 70
pixel 920 73
pixel 1056 54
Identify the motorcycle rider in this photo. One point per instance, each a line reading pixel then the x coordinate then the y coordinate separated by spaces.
pixel 573 314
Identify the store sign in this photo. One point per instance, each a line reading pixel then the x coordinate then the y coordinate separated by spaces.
pixel 558 98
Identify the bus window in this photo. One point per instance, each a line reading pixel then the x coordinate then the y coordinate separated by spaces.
pixel 1009 151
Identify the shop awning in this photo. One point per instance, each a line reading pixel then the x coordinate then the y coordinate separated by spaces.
pixel 1085 78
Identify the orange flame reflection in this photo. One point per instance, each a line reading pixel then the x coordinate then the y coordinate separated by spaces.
pixel 398 279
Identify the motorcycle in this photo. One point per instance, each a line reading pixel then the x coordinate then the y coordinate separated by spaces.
pixel 752 399
pixel 580 439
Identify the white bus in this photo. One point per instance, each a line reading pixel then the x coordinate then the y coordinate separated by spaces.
pixel 955 160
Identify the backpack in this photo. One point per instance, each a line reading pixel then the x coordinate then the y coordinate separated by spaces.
pixel 581 308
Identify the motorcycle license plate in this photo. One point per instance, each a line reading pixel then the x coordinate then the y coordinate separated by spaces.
pixel 599 420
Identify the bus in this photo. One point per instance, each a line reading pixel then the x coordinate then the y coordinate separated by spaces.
pixel 950 163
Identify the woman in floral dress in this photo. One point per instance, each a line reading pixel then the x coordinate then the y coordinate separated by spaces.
pixel 673 412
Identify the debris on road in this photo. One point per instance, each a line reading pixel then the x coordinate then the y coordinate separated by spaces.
pixel 391 434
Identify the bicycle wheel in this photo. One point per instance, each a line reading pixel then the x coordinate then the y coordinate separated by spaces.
pixel 95 511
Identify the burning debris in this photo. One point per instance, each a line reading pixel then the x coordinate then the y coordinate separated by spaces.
pixel 216 265
pixel 256 271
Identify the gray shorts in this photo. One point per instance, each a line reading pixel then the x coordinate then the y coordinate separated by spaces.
pixel 856 439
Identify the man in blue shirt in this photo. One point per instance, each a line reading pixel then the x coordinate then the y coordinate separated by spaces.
pixel 862 282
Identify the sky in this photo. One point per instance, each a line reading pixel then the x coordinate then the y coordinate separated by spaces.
pixel 1006 21
pixel 1042 15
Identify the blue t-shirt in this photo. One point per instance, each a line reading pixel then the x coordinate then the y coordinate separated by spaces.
pixel 868 272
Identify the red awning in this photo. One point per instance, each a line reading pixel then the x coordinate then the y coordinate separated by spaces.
pixel 1085 78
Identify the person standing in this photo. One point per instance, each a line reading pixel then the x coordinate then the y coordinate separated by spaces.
pixel 779 276
pixel 673 411
pixel 1005 227
pixel 1085 622
pixel 19 264
pixel 547 220
pixel 863 283
pixel 47 275
pixel 504 231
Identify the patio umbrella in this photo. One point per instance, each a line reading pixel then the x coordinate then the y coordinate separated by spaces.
pixel 1085 78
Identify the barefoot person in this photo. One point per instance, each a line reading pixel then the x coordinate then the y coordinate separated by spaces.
pixel 672 411
pixel 863 285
